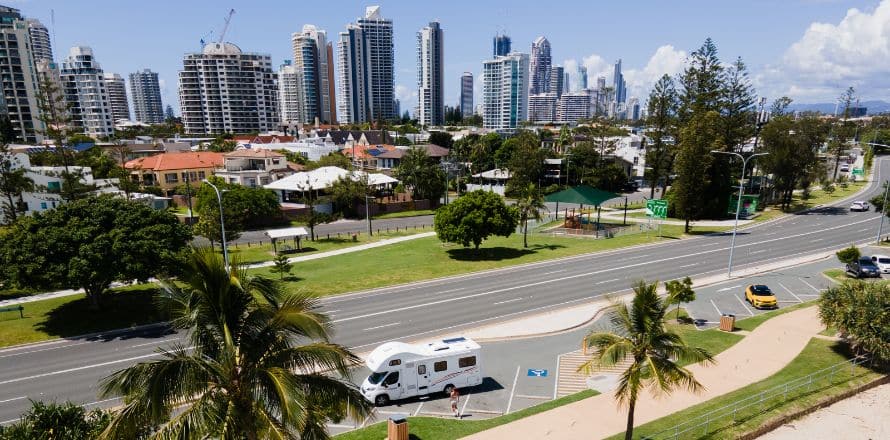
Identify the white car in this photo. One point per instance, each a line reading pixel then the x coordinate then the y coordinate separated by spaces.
pixel 845 168
pixel 883 262
pixel 860 205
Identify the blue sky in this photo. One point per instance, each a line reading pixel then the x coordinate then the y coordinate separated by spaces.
pixel 786 52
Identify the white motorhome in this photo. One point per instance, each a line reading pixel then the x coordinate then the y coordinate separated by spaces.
pixel 400 370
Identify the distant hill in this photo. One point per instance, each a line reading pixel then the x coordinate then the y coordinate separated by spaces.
pixel 874 107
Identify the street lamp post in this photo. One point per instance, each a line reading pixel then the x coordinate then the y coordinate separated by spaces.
pixel 883 212
pixel 738 207
pixel 222 222
pixel 368 213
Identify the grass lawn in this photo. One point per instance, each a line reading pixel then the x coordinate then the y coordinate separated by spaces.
pixel 712 340
pixel 752 322
pixel 72 316
pixel 414 213
pixel 837 275
pixel 256 253
pixel 820 197
pixel 817 355
pixel 434 428
pixel 428 258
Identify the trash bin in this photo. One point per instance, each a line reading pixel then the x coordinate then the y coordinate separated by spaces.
pixel 397 427
pixel 727 323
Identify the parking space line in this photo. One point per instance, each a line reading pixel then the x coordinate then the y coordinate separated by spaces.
pixel 365 422
pixel 717 308
pixel 744 305
pixel 417 411
pixel 485 411
pixel 556 381
pixel 436 413
pixel 334 425
pixel 809 285
pixel 808 294
pixel 792 293
pixel 464 407
pixel 526 396
pixel 512 391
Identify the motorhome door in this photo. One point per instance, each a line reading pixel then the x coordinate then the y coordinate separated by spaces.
pixel 393 385
pixel 423 378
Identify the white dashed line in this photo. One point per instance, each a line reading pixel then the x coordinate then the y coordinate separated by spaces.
pixel 382 326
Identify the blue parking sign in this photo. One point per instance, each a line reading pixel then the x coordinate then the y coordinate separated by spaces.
pixel 537 373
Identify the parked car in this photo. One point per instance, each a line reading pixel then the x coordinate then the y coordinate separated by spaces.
pixel 761 297
pixel 845 168
pixel 860 205
pixel 863 268
pixel 882 261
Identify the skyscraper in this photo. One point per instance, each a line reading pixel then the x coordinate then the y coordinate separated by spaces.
pixel 366 70
pixel 314 66
pixel 290 100
pixel 117 96
pixel 618 84
pixel 505 91
pixel 40 43
pixel 540 66
pixel 501 45
pixel 146 93
pixel 19 86
pixel 83 83
pixel 466 94
pixel 557 81
pixel 542 107
pixel 430 75
pixel 211 103
pixel 582 77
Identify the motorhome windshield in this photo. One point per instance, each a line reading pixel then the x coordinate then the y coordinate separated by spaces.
pixel 375 378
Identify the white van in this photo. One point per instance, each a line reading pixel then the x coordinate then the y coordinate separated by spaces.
pixel 400 370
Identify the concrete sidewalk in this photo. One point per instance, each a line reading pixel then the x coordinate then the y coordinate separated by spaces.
pixel 361 247
pixel 768 349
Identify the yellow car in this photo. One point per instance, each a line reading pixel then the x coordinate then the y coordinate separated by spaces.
pixel 761 297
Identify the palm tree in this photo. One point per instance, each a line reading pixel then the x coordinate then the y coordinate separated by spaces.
pixel 255 367
pixel 530 204
pixel 639 333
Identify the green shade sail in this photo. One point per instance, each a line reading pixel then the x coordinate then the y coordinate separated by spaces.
pixel 583 194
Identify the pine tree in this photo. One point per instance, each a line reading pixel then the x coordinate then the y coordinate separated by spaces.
pixel 692 165
pixel 662 123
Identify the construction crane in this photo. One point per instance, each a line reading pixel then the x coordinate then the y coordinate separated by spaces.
pixel 226 26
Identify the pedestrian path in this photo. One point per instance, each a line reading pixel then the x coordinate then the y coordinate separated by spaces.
pixel 346 250
pixel 764 352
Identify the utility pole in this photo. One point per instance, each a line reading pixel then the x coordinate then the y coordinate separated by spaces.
pixel 368 213
pixel 883 212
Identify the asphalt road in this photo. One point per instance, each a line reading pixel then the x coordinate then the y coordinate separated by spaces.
pixel 70 369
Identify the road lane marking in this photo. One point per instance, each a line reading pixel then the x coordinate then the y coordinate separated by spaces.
pixel 553 272
pixel 810 285
pixel 6 422
pixel 155 342
pixel 744 305
pixel 816 239
pixel 729 288
pixel 43 349
pixel 85 367
pixel 512 391
pixel 608 281
pixel 101 401
pixel 382 326
pixel 757 252
pixel 792 293
pixel 14 399
pixel 716 308
pixel 507 301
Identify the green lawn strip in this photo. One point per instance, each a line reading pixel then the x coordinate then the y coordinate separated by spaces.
pixel 414 213
pixel 428 258
pixel 820 197
pixel 830 331
pixel 257 253
pixel 712 340
pixel 752 322
pixel 72 316
pixel 433 428
pixel 817 355
pixel 838 275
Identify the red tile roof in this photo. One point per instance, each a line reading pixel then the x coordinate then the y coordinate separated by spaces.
pixel 177 161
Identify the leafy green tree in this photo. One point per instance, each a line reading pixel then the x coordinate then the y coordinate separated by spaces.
pixel 739 114
pixel 99 162
pixel 346 192
pixel 527 164
pixel 530 203
pixel 474 217
pixel 281 266
pixel 792 156
pixel 679 292
pixel 848 255
pixel 335 159
pixel 54 421
pixel 482 153
pixel 780 106
pixel 243 208
pixel 13 182
pixel 90 243
pixel 828 187
pixel 420 173
pixel 858 310
pixel 402 141
pixel 608 176
pixel 222 144
pixel 662 121
pixel 655 352
pixel 583 160
pixel 259 364
pixel 441 138
pixel 842 130
pixel 692 163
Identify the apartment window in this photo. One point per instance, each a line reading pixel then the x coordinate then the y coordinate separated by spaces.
pixel 440 366
pixel 171 178
pixel 42 205
pixel 201 175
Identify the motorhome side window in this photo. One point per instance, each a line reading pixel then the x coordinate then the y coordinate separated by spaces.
pixel 395 362
pixel 440 366
pixel 392 378
pixel 466 362
pixel 421 369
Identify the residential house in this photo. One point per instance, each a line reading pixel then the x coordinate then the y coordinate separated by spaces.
pixel 169 170
pixel 392 159
pixel 253 167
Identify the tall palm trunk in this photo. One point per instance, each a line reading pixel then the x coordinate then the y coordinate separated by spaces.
pixel 629 430
pixel 525 233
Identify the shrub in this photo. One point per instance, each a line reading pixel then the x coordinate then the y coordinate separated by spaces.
pixel 848 255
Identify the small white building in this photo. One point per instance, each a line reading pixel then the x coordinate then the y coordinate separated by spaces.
pixel 253 167
pixel 48 184
pixel 321 179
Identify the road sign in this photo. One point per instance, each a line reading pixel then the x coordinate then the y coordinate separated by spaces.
pixel 537 373
pixel 857 172
pixel 657 208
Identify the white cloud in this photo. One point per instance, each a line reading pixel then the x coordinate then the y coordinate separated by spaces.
pixel 830 57
pixel 665 60
pixel 407 97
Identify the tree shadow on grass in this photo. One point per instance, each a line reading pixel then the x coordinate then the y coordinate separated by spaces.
pixel 497 253
pixel 118 310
